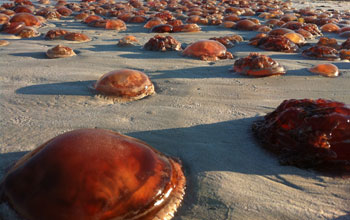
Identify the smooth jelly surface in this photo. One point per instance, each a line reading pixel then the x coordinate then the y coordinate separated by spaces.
pixel 92 174
pixel 125 83
pixel 206 49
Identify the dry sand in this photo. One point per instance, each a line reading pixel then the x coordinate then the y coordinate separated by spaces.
pixel 202 114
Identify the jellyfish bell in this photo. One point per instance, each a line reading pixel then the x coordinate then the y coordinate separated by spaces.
pixel 162 43
pixel 325 69
pixel 207 50
pixel 258 65
pixel 27 18
pixel 77 37
pixel 308 134
pixel 4 43
pixel 124 85
pixel 89 174
pixel 60 51
pixel 321 52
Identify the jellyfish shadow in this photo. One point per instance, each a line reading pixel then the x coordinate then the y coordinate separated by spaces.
pixel 36 55
pixel 79 88
pixel 225 146
pixel 146 54
pixel 343 217
pixel 201 72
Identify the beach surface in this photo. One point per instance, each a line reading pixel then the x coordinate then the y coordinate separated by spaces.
pixel 202 113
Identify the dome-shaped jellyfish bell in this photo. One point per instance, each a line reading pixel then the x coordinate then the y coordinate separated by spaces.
pixel 209 50
pixel 94 174
pixel 124 85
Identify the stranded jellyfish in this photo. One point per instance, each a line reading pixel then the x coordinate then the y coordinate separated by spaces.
pixel 55 34
pixel 207 50
pixel 60 51
pixel 344 54
pixel 124 85
pixel 162 28
pixel 4 18
pixel 94 174
pixel 329 42
pixel 330 27
pixel 28 32
pixel 186 28
pixel 258 65
pixel 153 22
pixel 78 37
pixel 127 41
pixel 28 19
pixel 162 43
pixel 4 43
pixel 13 27
pixel 308 133
pixel 345 44
pixel 296 38
pixel 115 24
pixel 325 69
pixel 321 52
pixel 277 43
pixel 246 25
pixel 228 41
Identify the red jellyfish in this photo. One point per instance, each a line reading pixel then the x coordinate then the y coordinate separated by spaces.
pixel 77 37
pixel 124 85
pixel 162 43
pixel 28 19
pixel 321 52
pixel 91 174
pixel 257 64
pixel 210 50
pixel 308 133
pixel 325 69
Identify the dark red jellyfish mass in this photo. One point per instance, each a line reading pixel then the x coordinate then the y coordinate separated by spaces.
pixel 258 65
pixel 277 43
pixel 228 41
pixel 162 28
pixel 162 43
pixel 308 133
pixel 321 52
pixel 207 50
pixel 94 174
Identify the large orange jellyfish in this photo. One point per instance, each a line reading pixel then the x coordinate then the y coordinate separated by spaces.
pixel 124 85
pixel 207 50
pixel 94 174
pixel 325 69
pixel 308 133
pixel 28 19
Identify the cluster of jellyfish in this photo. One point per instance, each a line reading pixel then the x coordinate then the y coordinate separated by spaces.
pixel 132 180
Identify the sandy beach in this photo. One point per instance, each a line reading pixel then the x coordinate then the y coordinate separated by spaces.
pixel 202 113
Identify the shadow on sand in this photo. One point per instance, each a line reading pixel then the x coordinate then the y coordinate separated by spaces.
pixel 81 88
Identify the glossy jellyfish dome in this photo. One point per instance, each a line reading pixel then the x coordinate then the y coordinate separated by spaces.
pixel 207 50
pixel 94 174
pixel 325 69
pixel 125 85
